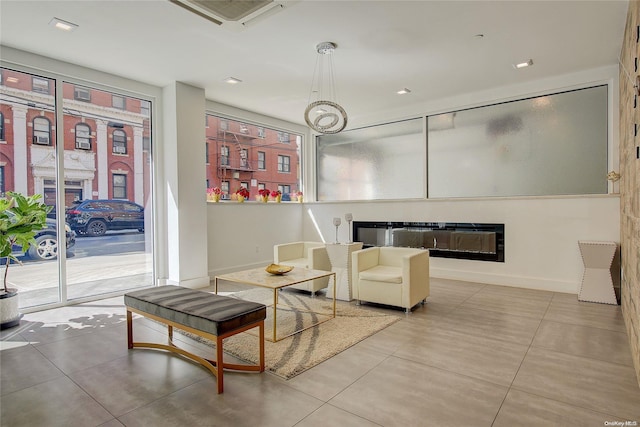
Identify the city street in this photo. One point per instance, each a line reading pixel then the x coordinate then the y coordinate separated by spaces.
pixel 114 242
pixel 96 265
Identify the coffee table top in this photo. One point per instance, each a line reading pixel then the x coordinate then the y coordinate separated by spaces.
pixel 259 277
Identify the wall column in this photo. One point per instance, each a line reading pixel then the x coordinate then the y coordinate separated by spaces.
pixel 184 154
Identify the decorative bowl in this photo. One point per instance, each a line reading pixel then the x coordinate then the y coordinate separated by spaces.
pixel 278 269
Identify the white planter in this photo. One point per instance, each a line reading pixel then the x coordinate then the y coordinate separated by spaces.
pixel 9 312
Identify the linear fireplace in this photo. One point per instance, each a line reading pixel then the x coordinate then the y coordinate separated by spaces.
pixel 482 242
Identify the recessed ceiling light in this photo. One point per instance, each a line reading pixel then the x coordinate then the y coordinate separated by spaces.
pixel 63 25
pixel 523 64
pixel 232 80
pixel 403 91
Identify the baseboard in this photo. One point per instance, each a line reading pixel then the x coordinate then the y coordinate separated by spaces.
pixel 538 283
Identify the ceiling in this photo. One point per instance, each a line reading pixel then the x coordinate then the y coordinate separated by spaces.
pixel 430 47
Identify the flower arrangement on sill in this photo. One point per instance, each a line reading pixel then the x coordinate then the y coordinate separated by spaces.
pixel 299 195
pixel 264 194
pixel 213 194
pixel 241 194
pixel 276 195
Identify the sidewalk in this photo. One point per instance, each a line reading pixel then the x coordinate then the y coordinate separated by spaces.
pixel 37 282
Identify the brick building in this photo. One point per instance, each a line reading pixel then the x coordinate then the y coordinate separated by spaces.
pixel 255 157
pixel 106 141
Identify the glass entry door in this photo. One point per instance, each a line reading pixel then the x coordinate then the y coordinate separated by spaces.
pixel 96 178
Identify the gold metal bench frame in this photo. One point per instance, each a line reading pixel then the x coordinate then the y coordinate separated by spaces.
pixel 212 365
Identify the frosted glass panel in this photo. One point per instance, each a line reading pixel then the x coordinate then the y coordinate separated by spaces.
pixel 378 162
pixel 548 145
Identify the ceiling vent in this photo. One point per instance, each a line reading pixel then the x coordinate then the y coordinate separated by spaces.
pixel 232 14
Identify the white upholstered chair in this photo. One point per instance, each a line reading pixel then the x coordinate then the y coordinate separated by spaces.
pixel 311 255
pixel 391 276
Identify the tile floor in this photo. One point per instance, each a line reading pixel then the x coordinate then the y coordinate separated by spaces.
pixel 475 355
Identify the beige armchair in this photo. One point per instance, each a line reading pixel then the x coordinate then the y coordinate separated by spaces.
pixel 306 255
pixel 391 276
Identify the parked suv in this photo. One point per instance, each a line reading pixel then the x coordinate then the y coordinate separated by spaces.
pixel 46 246
pixel 96 217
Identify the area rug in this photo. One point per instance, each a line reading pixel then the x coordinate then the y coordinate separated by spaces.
pixel 293 355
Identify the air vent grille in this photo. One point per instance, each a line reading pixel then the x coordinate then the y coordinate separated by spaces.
pixel 228 12
pixel 231 10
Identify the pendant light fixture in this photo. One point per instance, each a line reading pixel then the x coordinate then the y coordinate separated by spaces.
pixel 324 114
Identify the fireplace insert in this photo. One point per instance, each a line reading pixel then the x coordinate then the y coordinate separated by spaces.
pixel 482 242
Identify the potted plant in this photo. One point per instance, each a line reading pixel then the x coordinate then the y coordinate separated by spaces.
pixel 241 194
pixel 264 194
pixel 213 194
pixel 20 218
pixel 277 195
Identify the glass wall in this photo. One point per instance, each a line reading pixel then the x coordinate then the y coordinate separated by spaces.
pixel 255 157
pixel 377 162
pixel 27 149
pixel 98 182
pixel 547 145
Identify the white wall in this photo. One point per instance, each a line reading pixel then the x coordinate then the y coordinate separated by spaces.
pixel 541 234
pixel 242 235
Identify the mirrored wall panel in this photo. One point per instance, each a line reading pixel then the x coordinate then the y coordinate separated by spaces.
pixel 377 162
pixel 548 145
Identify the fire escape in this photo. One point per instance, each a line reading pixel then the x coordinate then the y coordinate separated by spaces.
pixel 236 166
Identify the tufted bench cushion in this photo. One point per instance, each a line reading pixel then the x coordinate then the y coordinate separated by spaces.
pixel 215 314
pixel 210 316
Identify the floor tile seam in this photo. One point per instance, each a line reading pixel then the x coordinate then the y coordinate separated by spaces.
pixel 476 292
pixel 387 356
pixel 86 392
pixel 61 374
pixel 572 404
pixel 526 353
pixel 440 368
pixel 337 407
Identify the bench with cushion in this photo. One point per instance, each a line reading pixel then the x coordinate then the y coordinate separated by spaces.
pixel 210 316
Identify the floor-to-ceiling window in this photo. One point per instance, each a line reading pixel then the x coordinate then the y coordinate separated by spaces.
pixel 96 173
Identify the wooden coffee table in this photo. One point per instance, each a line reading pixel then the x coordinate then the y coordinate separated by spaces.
pixel 259 277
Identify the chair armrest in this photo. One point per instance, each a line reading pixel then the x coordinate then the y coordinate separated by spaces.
pixel 319 258
pixel 415 275
pixel 287 251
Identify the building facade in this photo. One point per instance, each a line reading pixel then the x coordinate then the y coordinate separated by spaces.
pixel 107 141
pixel 250 156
